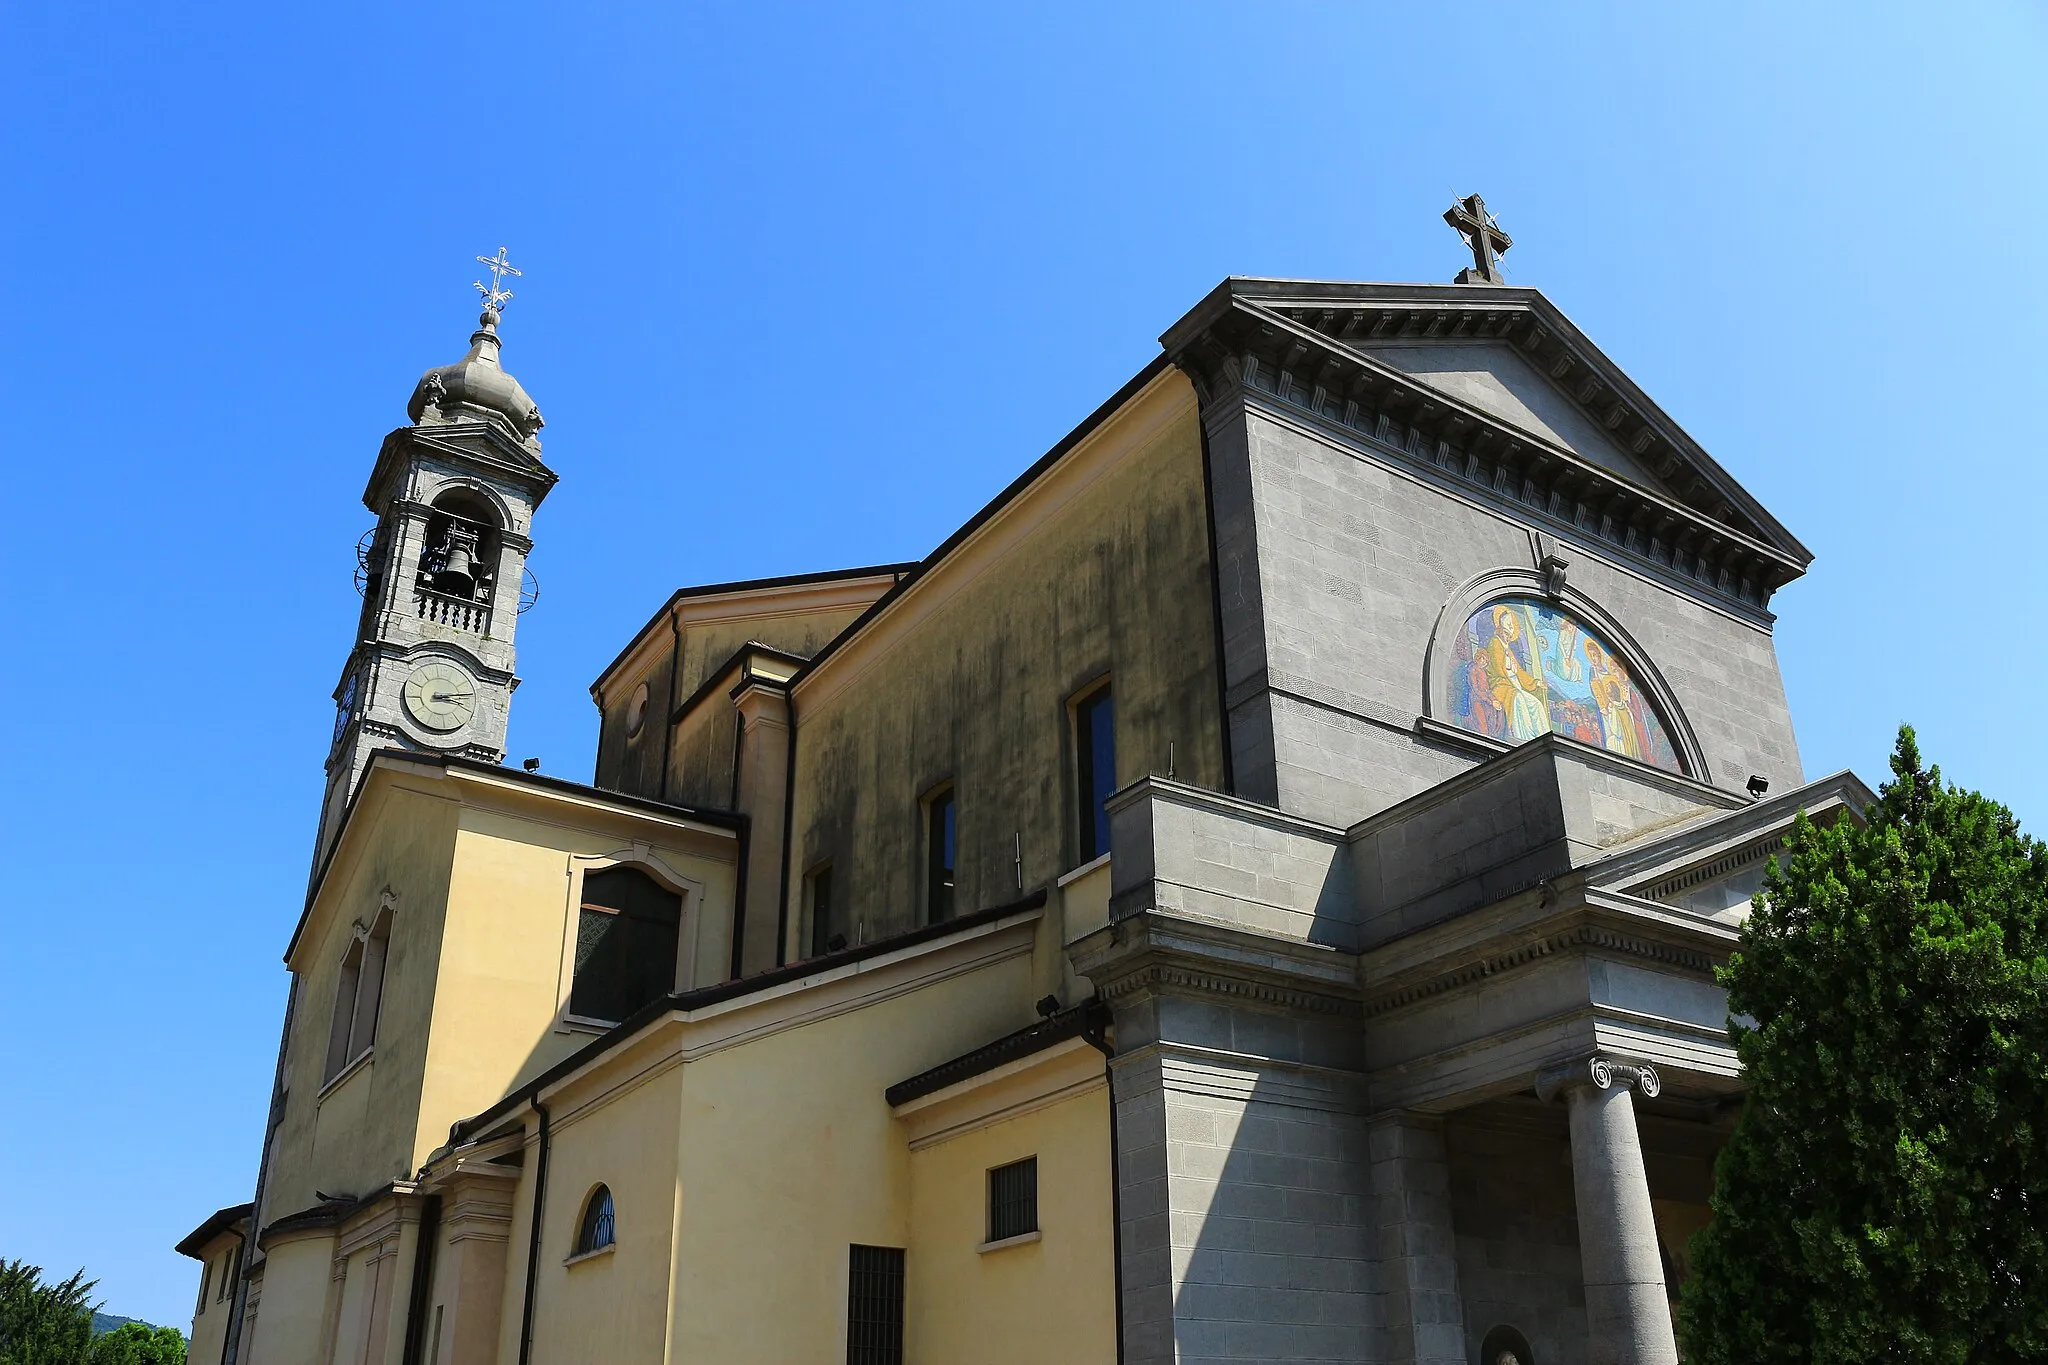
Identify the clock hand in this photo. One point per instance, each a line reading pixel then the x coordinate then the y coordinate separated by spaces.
pixel 451 696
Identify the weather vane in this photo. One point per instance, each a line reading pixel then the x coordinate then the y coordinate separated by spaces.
pixel 495 295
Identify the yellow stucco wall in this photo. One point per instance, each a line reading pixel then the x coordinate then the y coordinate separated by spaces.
pixel 361 1135
pixel 481 877
pixel 1102 568
pixel 1049 1300
pixel 216 1301
pixel 742 1175
pixel 292 1311
pixel 508 941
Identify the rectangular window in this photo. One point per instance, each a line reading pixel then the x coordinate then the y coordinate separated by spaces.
pixel 627 934
pixel 229 1264
pixel 828 934
pixel 1013 1199
pixel 1095 751
pixel 874 1306
pixel 205 1283
pixel 938 857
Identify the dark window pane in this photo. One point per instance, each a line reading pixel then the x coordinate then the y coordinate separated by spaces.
pixel 823 924
pixel 874 1306
pixel 598 1228
pixel 938 844
pixel 1013 1199
pixel 1095 724
pixel 626 936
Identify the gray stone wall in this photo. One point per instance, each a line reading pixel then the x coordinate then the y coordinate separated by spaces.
pixel 1336 569
pixel 1247 1215
pixel 1518 1241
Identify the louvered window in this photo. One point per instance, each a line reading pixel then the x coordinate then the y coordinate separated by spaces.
pixel 1013 1199
pixel 874 1306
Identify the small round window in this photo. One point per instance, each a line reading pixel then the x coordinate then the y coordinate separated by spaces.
pixel 636 711
pixel 1522 668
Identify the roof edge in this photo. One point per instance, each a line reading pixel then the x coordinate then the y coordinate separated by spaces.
pixel 660 1008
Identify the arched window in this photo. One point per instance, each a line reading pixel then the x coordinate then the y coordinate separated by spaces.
pixel 358 995
pixel 460 557
pixel 1521 667
pixel 627 932
pixel 597 1229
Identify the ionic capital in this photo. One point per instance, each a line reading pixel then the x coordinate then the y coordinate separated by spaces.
pixel 1597 1073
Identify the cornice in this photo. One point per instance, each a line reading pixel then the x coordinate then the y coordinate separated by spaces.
pixel 1575 938
pixel 1712 536
pixel 853 590
pixel 1154 976
pixel 476 444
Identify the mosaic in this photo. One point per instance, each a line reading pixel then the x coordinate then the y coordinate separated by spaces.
pixel 1522 668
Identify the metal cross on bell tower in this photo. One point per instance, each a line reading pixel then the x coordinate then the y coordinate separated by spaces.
pixel 496 296
pixel 1482 233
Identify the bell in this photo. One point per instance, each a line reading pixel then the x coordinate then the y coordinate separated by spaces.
pixel 457 574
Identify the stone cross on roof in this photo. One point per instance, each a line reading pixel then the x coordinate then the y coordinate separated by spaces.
pixel 1483 234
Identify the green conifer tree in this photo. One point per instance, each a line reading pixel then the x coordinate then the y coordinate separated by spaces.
pixel 1885 1195
pixel 43 1324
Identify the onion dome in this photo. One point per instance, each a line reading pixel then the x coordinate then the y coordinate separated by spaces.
pixel 476 386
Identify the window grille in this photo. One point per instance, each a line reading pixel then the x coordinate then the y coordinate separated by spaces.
pixel 1013 1199
pixel 1095 755
pixel 874 1306
pixel 598 1229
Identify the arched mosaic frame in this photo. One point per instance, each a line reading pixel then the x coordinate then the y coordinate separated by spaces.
pixel 1494 585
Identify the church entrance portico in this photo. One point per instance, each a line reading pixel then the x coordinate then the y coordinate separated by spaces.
pixel 1377 1106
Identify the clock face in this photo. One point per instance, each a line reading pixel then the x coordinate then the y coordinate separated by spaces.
pixel 440 696
pixel 344 707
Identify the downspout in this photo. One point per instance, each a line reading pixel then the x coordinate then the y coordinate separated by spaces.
pixel 1095 1031
pixel 422 1279
pixel 540 1190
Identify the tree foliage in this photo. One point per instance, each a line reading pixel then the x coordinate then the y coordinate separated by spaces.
pixel 1885 1195
pixel 135 1343
pixel 43 1324
pixel 51 1324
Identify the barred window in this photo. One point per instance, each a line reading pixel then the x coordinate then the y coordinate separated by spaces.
pixel 874 1306
pixel 598 1227
pixel 1013 1199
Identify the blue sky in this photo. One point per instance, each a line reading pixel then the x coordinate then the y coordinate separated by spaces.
pixel 857 270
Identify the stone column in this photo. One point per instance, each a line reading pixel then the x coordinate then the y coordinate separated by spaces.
pixel 1411 1193
pixel 1628 1318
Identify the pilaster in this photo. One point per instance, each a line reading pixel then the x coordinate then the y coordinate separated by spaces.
pixel 1424 1316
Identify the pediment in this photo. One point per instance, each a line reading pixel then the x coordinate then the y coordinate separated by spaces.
pixel 1494 387
pixel 1711 866
pixel 1494 377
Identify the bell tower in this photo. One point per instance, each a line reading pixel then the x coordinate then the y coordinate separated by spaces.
pixel 443 573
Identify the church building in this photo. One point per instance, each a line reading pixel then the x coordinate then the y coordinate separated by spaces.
pixel 1250 894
